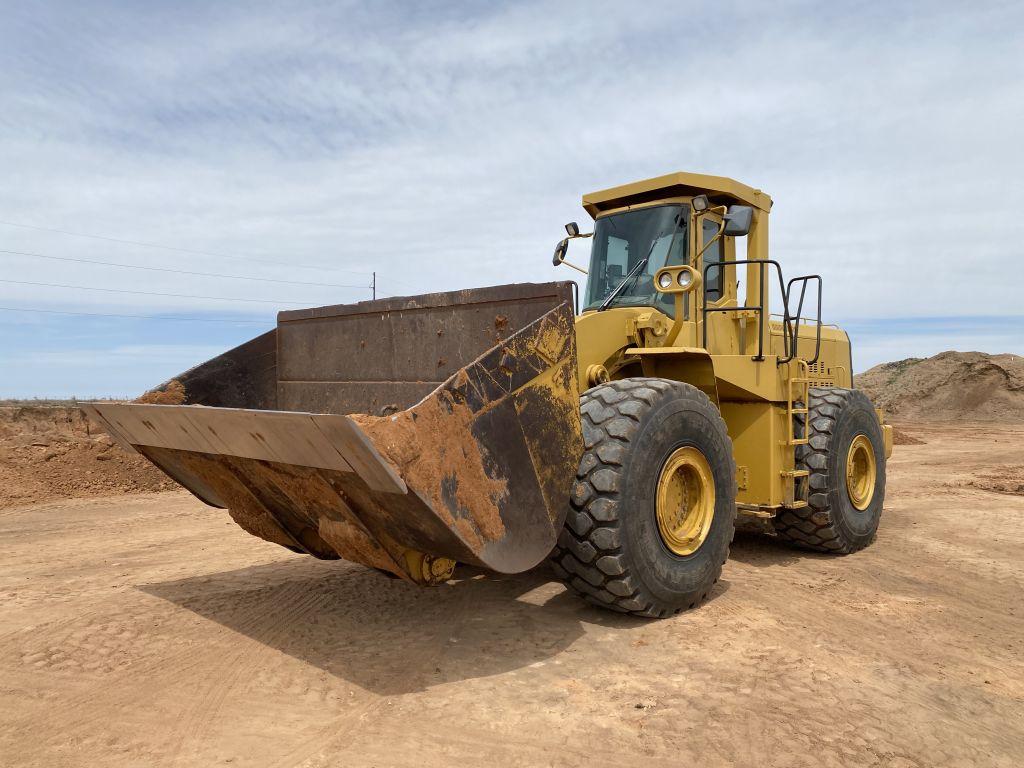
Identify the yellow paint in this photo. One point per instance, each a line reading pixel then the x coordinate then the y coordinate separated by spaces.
pixel 861 472
pixel 427 569
pixel 678 184
pixel 758 432
pixel 685 504
pixel 887 439
pixel 602 337
pixel 758 398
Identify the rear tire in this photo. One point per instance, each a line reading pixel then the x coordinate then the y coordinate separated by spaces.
pixel 616 550
pixel 842 514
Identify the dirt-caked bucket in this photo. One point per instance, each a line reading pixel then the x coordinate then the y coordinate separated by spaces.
pixel 406 434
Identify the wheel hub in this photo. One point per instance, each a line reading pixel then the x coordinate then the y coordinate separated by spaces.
pixel 861 472
pixel 685 500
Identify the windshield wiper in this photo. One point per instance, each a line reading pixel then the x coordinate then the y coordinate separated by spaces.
pixel 618 289
pixel 635 270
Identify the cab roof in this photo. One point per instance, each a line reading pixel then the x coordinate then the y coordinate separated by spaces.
pixel 719 189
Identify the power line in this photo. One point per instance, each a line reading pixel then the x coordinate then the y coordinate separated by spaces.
pixel 182 271
pixel 138 317
pixel 150 293
pixel 387 279
pixel 178 250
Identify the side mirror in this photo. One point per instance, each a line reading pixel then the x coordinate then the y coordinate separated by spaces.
pixel 560 250
pixel 572 229
pixel 559 257
pixel 738 220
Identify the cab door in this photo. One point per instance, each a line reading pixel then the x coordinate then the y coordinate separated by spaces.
pixel 719 286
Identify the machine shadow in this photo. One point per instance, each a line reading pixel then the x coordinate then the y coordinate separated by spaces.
pixel 762 551
pixel 384 634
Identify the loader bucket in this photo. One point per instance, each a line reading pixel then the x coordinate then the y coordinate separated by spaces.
pixel 403 434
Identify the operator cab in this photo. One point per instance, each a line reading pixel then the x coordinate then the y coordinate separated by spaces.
pixel 642 228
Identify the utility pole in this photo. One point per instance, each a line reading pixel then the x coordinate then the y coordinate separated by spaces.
pixel 374 286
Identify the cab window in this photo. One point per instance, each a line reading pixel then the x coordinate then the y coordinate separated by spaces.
pixel 713 278
pixel 656 235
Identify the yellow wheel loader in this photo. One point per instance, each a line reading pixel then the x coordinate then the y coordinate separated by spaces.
pixel 623 433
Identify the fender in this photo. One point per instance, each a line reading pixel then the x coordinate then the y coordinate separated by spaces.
pixel 690 364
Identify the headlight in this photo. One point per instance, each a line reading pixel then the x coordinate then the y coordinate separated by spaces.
pixel 665 280
pixel 685 278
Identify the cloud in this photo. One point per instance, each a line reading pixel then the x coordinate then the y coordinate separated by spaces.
pixel 444 146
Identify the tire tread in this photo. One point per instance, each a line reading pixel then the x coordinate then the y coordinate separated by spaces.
pixel 813 527
pixel 612 414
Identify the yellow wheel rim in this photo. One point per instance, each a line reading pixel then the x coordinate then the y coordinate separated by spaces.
pixel 861 471
pixel 686 501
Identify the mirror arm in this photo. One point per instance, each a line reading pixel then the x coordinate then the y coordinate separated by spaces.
pixel 563 260
pixel 721 210
pixel 709 243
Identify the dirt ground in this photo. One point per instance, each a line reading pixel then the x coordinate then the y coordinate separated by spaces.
pixel 147 630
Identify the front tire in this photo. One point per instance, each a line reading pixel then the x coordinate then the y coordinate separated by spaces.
pixel 653 509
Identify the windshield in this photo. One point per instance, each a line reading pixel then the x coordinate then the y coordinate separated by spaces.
pixel 621 241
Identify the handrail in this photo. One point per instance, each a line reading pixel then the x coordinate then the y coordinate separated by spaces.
pixel 794 329
pixel 705 309
pixel 780 316
pixel 790 322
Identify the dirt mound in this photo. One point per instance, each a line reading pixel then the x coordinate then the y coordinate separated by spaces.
pixel 171 393
pixel 1008 480
pixel 952 386
pixel 899 437
pixel 53 452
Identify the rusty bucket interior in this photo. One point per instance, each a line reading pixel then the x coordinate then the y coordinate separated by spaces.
pixel 406 434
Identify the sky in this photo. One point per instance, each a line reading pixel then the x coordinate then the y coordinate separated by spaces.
pixel 278 154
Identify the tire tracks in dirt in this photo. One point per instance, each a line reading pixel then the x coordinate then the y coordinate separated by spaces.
pixel 127 689
pixel 216 687
pixel 330 735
